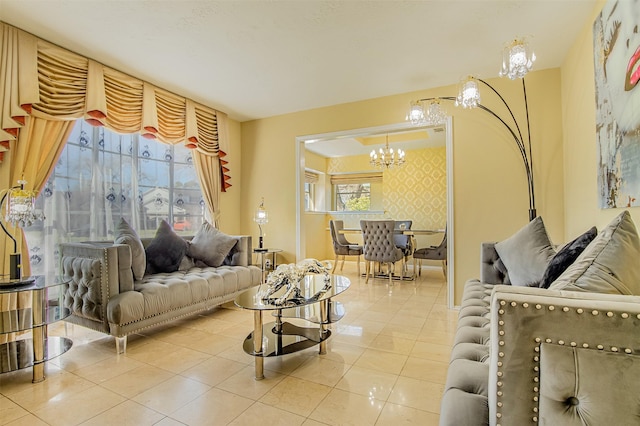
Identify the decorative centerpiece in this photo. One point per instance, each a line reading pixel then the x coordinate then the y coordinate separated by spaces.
pixel 290 276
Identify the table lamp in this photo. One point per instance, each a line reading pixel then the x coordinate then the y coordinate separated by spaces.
pixel 20 211
pixel 261 218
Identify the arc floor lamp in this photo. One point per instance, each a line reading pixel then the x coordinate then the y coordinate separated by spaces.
pixel 518 59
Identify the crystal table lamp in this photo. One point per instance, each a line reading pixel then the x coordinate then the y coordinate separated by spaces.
pixel 20 211
pixel 261 218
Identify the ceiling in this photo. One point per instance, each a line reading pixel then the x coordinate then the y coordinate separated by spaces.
pixel 407 140
pixel 259 58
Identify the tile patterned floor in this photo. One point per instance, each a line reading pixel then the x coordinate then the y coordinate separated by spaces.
pixel 386 365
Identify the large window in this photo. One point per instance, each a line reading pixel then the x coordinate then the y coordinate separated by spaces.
pixel 102 176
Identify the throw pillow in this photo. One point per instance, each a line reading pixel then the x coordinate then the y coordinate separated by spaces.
pixel 211 245
pixel 166 250
pixel 527 253
pixel 125 234
pixel 566 256
pixel 610 264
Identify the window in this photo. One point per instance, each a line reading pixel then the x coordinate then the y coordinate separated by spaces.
pixel 353 196
pixel 309 196
pixel 355 192
pixel 311 179
pixel 102 176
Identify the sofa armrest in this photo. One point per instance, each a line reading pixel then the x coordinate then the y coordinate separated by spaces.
pixel 241 253
pixel 541 342
pixel 492 270
pixel 97 272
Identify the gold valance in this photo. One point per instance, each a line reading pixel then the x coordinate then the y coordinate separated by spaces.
pixel 41 79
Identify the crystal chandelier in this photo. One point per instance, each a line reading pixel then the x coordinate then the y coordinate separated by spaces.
pixel 517 59
pixel 468 93
pixel 386 157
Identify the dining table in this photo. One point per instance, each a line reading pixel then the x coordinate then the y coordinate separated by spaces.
pixel 411 232
pixel 399 231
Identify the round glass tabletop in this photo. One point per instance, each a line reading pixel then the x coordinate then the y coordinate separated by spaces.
pixel 310 287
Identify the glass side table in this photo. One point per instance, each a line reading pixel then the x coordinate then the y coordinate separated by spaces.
pixel 263 253
pixel 46 308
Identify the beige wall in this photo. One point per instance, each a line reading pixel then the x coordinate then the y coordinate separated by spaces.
pixel 579 122
pixel 490 197
pixel 230 201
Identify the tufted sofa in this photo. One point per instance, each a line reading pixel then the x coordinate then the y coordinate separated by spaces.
pixel 528 356
pixel 103 294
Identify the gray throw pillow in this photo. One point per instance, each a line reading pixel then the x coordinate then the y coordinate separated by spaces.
pixel 165 251
pixel 609 264
pixel 125 234
pixel 211 246
pixel 527 253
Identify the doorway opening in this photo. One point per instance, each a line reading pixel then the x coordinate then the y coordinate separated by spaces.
pixel 344 143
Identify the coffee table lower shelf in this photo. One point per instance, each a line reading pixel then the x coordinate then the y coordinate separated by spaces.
pixel 290 339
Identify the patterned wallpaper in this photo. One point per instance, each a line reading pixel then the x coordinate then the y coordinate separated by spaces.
pixel 416 191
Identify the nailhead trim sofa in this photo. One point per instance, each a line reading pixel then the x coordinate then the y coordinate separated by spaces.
pixel 103 295
pixel 533 356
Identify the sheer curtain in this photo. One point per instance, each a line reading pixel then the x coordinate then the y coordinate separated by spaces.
pixel 102 176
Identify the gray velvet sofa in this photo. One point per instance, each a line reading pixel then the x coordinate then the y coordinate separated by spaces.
pixel 545 356
pixel 103 294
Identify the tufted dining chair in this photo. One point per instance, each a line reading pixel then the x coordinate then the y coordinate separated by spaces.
pixel 379 245
pixel 438 252
pixel 341 246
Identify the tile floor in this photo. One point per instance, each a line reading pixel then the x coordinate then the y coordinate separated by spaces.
pixel 386 365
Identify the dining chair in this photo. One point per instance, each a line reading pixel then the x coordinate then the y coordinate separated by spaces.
pixel 379 245
pixel 438 252
pixel 341 246
pixel 404 242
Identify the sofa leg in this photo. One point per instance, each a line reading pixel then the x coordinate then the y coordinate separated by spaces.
pixel 121 345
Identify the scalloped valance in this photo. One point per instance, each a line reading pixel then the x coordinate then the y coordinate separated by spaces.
pixel 41 79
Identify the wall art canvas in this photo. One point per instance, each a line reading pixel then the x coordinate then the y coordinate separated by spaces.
pixel 616 40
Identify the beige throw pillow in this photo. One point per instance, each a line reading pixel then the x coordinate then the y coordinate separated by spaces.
pixel 609 264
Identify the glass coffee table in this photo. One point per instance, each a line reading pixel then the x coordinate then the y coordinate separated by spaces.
pixel 280 337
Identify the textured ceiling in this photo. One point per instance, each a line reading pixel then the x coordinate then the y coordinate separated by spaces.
pixel 255 59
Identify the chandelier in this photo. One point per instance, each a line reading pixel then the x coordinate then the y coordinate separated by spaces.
pixel 517 61
pixel 386 157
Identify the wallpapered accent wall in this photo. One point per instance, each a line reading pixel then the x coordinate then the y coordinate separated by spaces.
pixel 416 191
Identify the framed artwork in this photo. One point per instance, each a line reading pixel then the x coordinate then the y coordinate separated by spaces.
pixel 616 41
